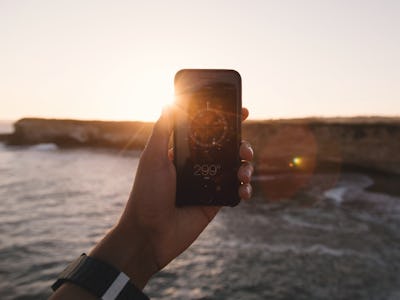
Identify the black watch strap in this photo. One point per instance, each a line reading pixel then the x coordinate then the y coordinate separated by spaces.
pixel 99 278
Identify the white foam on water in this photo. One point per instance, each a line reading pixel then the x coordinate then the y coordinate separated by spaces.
pixel 348 186
pixel 44 147
pixel 352 192
pixel 336 194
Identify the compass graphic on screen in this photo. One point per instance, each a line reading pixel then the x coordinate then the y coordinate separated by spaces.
pixel 208 127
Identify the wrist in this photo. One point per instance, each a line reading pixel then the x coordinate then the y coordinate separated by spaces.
pixel 129 252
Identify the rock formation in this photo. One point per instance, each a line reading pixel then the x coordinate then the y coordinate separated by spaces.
pixel 72 133
pixel 306 144
pixel 281 146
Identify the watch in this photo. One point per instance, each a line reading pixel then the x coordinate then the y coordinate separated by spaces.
pixel 101 279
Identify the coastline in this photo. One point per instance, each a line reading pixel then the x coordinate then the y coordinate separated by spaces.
pixel 5 137
pixel 293 146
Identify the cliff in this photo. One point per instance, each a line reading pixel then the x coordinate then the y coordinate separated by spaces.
pixel 4 137
pixel 72 133
pixel 305 145
pixel 294 146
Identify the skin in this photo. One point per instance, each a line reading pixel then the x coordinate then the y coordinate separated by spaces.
pixel 152 231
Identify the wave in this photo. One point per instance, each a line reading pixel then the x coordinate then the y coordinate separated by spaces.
pixel 336 194
pixel 44 147
pixel 352 192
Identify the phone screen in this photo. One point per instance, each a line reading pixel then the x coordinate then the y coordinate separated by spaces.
pixel 207 131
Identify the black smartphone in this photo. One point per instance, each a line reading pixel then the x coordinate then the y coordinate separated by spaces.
pixel 207 136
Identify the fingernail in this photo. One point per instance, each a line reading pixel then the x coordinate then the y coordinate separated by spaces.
pixel 249 189
pixel 251 149
pixel 247 174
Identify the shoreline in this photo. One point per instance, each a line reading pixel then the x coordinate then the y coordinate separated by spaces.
pixel 299 146
pixel 383 182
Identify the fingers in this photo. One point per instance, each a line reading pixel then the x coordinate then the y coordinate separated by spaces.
pixel 246 170
pixel 246 151
pixel 245 113
pixel 245 191
pixel 244 174
pixel 158 142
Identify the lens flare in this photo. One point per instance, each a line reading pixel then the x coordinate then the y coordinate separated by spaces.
pixel 297 161
pixel 288 153
pixel 292 157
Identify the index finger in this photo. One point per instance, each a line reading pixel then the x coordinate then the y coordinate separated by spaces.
pixel 245 113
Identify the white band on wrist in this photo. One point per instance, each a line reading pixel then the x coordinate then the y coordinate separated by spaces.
pixel 116 287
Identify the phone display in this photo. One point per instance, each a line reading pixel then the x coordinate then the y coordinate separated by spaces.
pixel 207 136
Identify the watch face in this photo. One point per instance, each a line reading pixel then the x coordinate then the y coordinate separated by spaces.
pixel 99 278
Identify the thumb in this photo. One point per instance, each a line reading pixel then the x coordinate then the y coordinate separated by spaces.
pixel 162 130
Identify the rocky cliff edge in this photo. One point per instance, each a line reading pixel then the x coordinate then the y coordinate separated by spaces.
pixel 295 146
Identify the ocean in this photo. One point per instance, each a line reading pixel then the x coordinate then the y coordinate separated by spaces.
pixel 336 241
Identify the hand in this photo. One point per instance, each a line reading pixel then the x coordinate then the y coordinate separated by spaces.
pixel 152 230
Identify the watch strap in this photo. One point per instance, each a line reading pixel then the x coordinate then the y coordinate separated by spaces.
pixel 101 279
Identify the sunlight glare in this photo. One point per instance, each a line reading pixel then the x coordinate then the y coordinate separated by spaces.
pixel 148 96
pixel 297 161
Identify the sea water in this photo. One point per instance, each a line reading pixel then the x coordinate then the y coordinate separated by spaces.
pixel 336 243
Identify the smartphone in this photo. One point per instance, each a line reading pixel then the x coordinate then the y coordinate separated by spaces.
pixel 207 136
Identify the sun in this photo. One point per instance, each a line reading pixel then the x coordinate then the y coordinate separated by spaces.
pixel 151 97
pixel 139 98
pixel 150 108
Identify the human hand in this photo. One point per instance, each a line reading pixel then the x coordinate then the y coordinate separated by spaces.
pixel 152 230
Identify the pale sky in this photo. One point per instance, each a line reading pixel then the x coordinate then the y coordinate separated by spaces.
pixel 117 59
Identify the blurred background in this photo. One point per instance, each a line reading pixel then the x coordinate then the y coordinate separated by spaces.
pixel 322 82
pixel 102 60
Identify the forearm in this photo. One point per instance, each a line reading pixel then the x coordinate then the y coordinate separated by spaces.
pixel 123 249
pixel 127 250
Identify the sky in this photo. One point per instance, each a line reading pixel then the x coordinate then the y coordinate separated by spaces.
pixel 116 60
